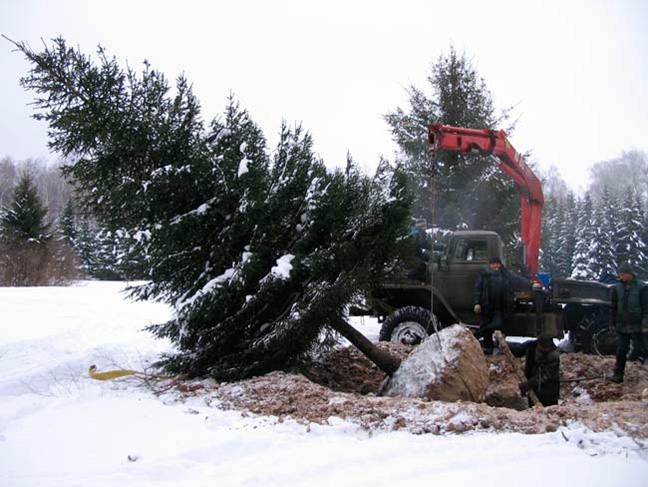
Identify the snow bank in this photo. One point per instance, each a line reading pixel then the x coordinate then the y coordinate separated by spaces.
pixel 59 428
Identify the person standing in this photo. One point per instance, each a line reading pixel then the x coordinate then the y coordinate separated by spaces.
pixel 630 318
pixel 493 300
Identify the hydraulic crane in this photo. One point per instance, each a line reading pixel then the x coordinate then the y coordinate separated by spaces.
pixel 495 144
pixel 410 307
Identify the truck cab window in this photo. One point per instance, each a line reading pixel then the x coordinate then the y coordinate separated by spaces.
pixel 471 251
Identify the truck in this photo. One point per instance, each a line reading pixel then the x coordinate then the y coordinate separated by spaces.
pixel 414 305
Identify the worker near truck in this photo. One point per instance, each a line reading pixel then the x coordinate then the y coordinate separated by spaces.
pixel 493 301
pixel 542 370
pixel 630 318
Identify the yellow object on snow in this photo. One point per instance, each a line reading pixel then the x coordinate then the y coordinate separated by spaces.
pixel 109 374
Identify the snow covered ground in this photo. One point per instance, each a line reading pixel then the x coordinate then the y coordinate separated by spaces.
pixel 58 427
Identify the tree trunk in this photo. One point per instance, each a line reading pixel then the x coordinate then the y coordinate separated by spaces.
pixel 385 361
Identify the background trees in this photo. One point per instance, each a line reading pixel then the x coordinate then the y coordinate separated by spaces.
pixel 592 247
pixel 78 243
pixel 630 169
pixel 32 251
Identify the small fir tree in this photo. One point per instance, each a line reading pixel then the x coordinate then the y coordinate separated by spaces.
pixel 85 245
pixel 605 226
pixel 551 225
pixel 566 237
pixel 630 245
pixel 68 223
pixel 24 236
pixel 582 262
pixel 24 221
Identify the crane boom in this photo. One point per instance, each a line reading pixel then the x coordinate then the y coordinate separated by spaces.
pixel 495 143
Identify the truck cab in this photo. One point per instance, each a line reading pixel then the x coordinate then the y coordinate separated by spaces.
pixel 416 304
pixel 454 274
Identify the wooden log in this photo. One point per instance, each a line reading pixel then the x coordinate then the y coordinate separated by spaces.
pixel 385 361
pixel 503 346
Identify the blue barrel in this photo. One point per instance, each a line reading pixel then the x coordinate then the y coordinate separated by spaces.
pixel 545 278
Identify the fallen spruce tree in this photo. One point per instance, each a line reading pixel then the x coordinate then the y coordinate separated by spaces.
pixel 259 252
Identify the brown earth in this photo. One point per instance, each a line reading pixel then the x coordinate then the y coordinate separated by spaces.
pixel 345 384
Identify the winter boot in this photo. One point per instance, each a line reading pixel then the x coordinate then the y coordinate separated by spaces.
pixel 614 377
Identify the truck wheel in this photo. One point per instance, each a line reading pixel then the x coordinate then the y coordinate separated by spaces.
pixel 590 331
pixel 604 341
pixel 409 325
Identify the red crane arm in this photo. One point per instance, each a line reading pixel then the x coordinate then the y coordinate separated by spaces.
pixel 512 163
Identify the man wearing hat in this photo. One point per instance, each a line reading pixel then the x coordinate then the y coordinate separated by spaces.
pixel 542 370
pixel 493 300
pixel 630 318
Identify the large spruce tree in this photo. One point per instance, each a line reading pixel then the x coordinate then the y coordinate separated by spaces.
pixel 259 251
pixel 454 190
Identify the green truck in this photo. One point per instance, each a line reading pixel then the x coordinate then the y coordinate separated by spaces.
pixel 439 294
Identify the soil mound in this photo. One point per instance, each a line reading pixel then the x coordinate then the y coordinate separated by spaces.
pixel 344 384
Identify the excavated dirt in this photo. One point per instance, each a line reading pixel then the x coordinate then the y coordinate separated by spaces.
pixel 346 385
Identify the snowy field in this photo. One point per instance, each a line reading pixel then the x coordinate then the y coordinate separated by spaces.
pixel 58 427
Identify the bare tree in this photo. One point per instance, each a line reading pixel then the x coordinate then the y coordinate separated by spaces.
pixel 8 174
pixel 630 169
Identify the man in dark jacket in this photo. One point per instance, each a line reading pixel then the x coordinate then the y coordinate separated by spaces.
pixel 493 300
pixel 630 318
pixel 542 370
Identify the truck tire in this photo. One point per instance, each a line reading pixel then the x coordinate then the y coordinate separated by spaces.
pixel 409 325
pixel 589 330
pixel 604 342
pixel 604 339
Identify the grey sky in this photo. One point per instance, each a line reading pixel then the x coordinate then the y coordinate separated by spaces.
pixel 576 71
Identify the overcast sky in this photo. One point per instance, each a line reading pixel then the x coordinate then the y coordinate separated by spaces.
pixel 576 71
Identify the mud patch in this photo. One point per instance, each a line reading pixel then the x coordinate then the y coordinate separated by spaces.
pixel 344 384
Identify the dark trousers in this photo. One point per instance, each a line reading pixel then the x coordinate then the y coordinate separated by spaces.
pixel 487 328
pixel 623 347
